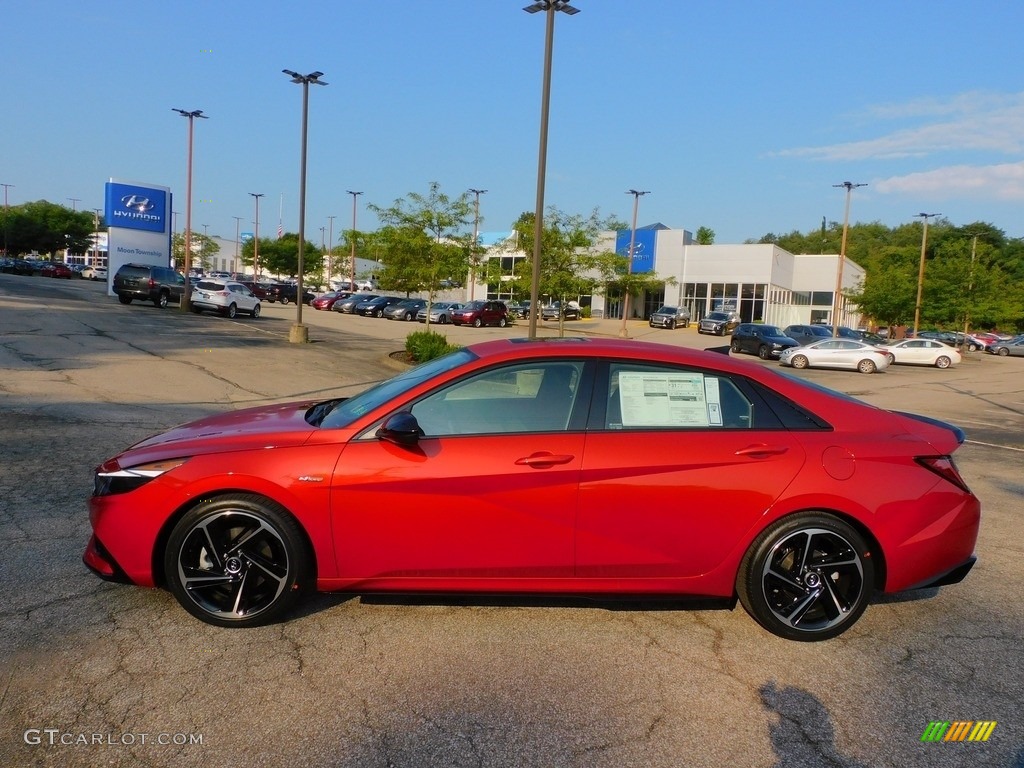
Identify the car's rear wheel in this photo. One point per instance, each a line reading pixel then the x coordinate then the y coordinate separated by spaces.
pixel 231 310
pixel 799 361
pixel 255 311
pixel 162 299
pixel 237 561
pixel 943 362
pixel 477 323
pixel 735 347
pixel 502 322
pixel 807 577
pixel 124 299
pixel 764 352
pixel 867 366
pixel 1003 351
pixel 196 310
pixel 284 300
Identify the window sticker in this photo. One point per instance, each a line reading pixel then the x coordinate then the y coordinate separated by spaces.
pixel 714 400
pixel 666 399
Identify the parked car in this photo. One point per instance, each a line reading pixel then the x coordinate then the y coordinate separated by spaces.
pixel 348 305
pixel 326 301
pixel 375 307
pixel 286 293
pixel 520 309
pixel 360 285
pixel 922 352
pixel 440 312
pixel 765 341
pixel 1014 347
pixel 837 353
pixel 479 313
pixel 807 334
pixel 259 290
pixel 148 282
pixel 226 297
pixel 670 317
pixel 569 311
pixel 16 267
pixel 718 323
pixel 240 515
pixel 56 269
pixel 405 310
pixel 94 273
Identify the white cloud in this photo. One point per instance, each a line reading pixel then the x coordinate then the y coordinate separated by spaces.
pixel 986 182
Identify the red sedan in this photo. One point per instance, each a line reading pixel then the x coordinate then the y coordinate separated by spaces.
pixel 56 269
pixel 327 300
pixel 514 466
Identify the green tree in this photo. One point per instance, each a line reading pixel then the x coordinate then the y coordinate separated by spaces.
pixel 280 256
pixel 204 248
pixel 45 227
pixel 705 236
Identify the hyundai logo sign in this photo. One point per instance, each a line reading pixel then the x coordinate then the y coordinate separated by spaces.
pixel 133 207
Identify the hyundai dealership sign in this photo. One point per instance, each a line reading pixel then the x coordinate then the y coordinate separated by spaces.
pixel 642 258
pixel 138 225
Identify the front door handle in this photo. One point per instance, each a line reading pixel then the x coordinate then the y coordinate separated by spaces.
pixel 762 451
pixel 542 460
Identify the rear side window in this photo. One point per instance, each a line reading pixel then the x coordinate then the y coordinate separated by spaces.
pixel 210 285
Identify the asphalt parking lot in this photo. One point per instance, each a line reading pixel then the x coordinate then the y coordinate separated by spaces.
pixel 103 674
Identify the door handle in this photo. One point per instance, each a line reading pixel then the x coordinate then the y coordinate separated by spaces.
pixel 760 451
pixel 541 460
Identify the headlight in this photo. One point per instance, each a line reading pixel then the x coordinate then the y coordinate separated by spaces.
pixel 126 480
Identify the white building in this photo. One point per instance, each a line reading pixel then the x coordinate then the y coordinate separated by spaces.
pixel 761 282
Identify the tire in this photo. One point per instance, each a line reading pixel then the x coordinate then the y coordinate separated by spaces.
pixel 284 300
pixel 228 584
pixel 686 323
pixel 255 312
pixel 943 362
pixel 195 310
pixel 477 323
pixel 735 348
pixel 799 361
pixel 764 352
pixel 162 300
pixel 892 358
pixel 407 317
pixel 502 322
pixel 443 320
pixel 379 313
pixel 231 311
pixel 124 299
pixel 807 577
pixel 867 366
pixel 1003 351
pixel 671 325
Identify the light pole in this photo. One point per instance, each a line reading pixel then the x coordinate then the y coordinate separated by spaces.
pixel 6 211
pixel 476 241
pixel 74 203
pixel 352 256
pixel 323 247
pixel 202 248
pixel 920 269
pixel 256 239
pixel 850 186
pixel 629 261
pixel 549 7
pixel 330 250
pixel 186 297
pixel 299 333
pixel 238 234
pixel 96 237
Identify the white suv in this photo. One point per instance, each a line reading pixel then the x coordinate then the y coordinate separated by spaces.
pixel 224 296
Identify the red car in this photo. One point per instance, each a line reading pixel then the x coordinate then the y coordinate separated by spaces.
pixel 479 313
pixel 588 466
pixel 326 301
pixel 56 269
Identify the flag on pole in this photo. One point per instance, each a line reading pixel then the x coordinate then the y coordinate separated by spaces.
pixel 280 218
pixel 280 231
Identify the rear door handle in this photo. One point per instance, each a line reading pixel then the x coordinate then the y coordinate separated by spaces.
pixel 541 460
pixel 760 451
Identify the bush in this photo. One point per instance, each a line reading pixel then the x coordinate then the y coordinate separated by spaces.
pixel 585 313
pixel 426 345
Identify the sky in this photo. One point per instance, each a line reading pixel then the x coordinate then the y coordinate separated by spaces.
pixel 737 116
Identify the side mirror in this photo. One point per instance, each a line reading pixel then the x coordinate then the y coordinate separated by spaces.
pixel 401 429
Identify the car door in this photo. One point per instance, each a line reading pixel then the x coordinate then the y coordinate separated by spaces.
pixel 680 463
pixel 488 492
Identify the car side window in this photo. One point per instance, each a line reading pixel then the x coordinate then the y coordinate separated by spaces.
pixel 533 397
pixel 654 397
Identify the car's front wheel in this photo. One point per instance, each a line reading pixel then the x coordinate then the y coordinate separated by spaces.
pixel 1003 351
pixel 735 347
pixel 284 300
pixel 255 312
pixel 799 361
pixel 502 322
pixel 477 323
pixel 124 299
pixel 892 358
pixel 237 561
pixel 764 352
pixel 162 299
pixel 807 577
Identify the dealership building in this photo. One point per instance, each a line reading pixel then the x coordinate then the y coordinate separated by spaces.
pixel 761 282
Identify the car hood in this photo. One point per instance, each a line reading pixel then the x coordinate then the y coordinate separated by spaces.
pixel 269 426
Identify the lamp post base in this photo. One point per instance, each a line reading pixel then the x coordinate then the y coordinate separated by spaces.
pixel 298 334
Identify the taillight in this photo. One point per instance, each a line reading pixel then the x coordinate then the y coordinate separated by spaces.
pixel 152 283
pixel 944 467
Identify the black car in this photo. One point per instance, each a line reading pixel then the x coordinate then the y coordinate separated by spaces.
pixel 569 311
pixel 348 306
pixel 148 282
pixel 375 307
pixel 669 317
pixel 765 341
pixel 718 323
pixel 405 310
pixel 287 293
pixel 16 267
pixel 808 334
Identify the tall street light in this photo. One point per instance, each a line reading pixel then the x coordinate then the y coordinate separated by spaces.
pixel 920 269
pixel 629 260
pixel 96 236
pixel 299 333
pixel 352 256
pixel 476 241
pixel 549 7
pixel 330 249
pixel 74 203
pixel 186 297
pixel 256 239
pixel 850 186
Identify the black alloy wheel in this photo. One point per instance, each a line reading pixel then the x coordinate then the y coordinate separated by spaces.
pixel 237 561
pixel 807 577
pixel 764 352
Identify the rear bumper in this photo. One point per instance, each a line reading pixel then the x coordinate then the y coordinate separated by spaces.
pixel 953 576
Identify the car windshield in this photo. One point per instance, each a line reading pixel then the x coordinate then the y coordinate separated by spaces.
pixel 665 311
pixel 344 412
pixel 771 330
pixel 718 316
